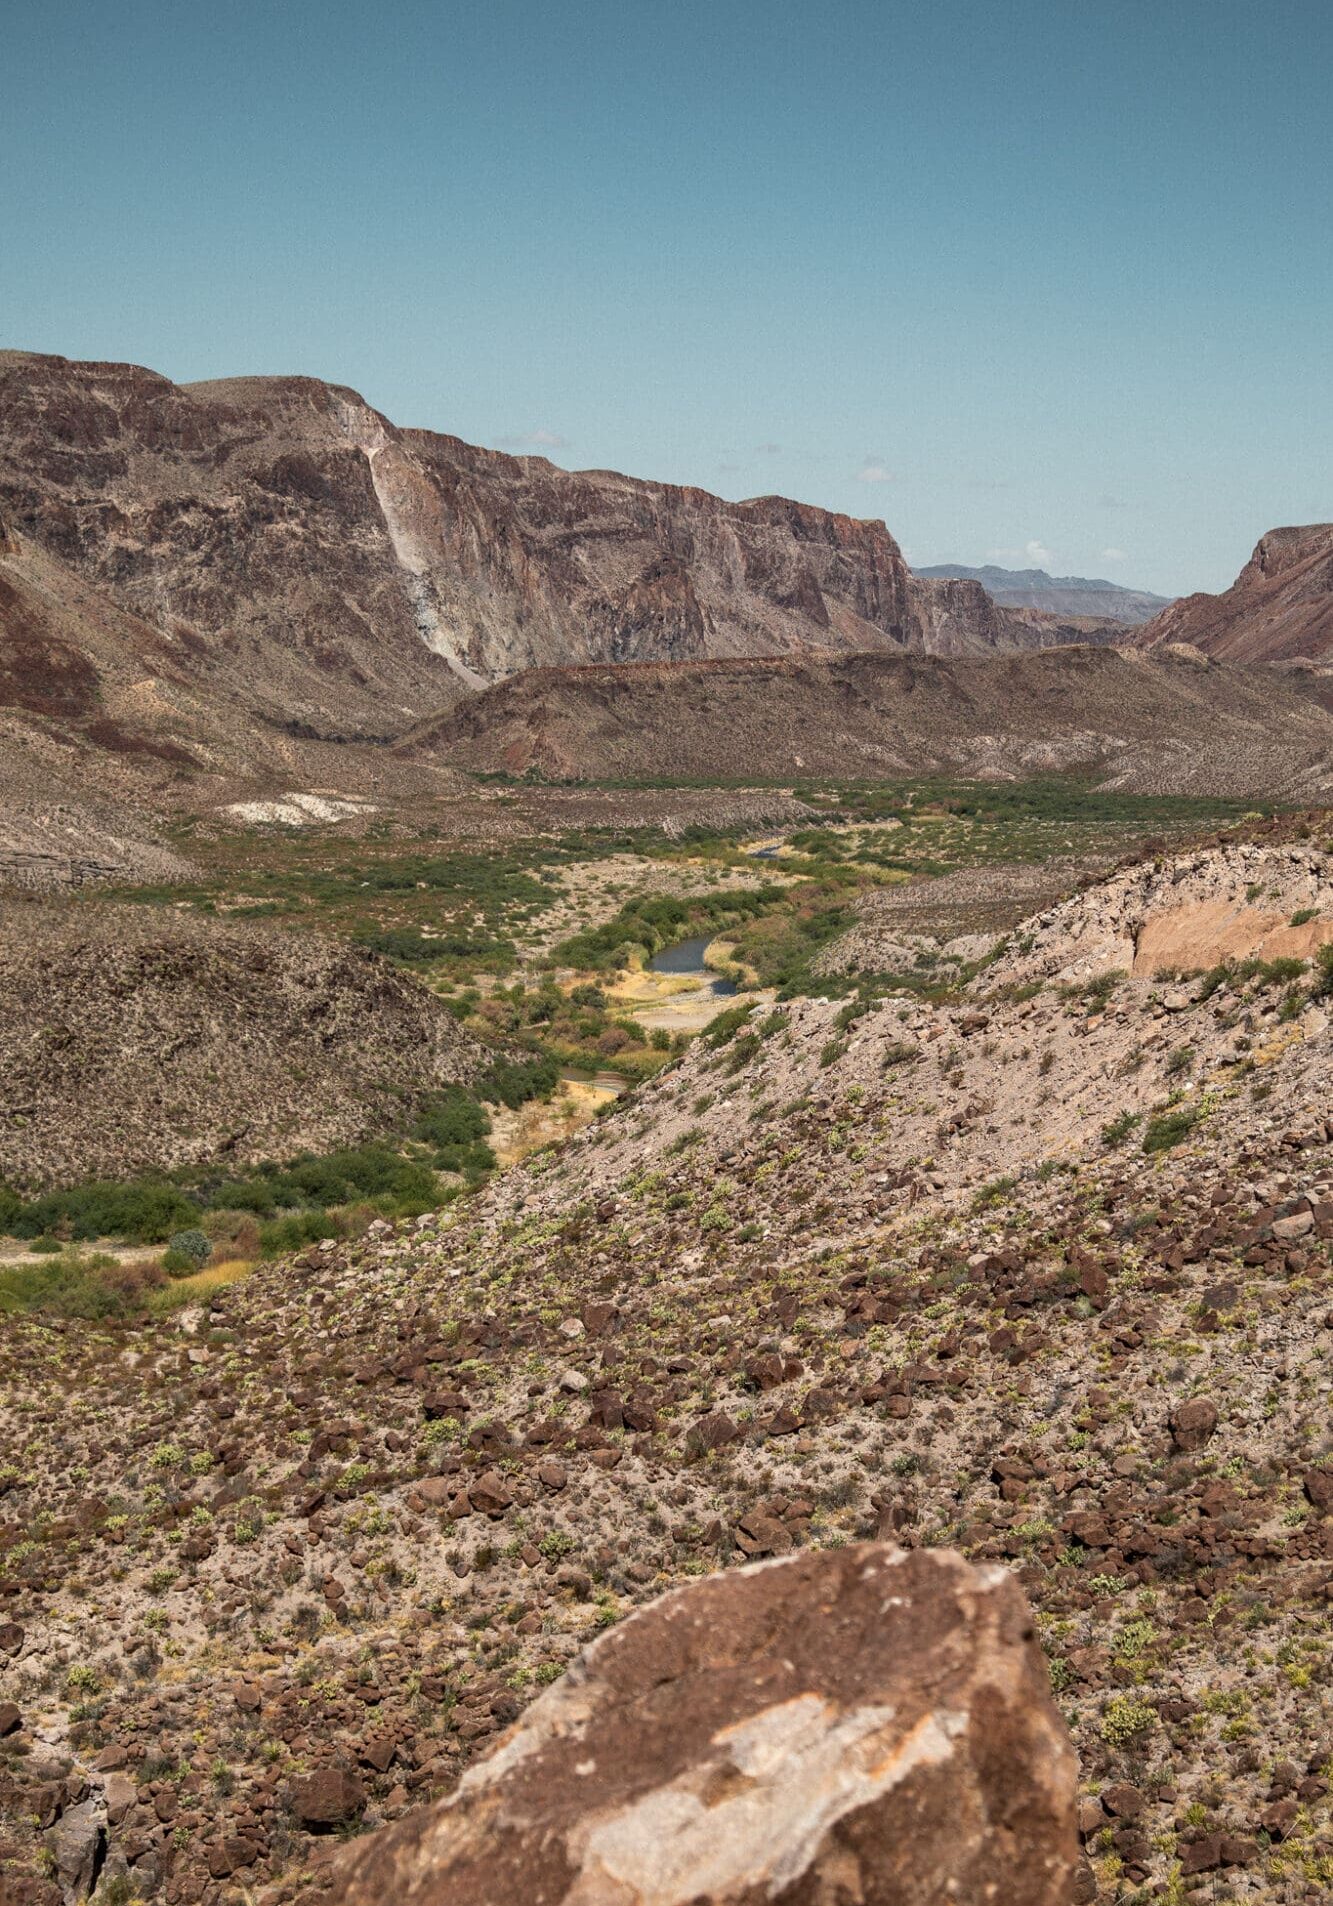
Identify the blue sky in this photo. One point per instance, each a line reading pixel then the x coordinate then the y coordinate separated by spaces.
pixel 1045 283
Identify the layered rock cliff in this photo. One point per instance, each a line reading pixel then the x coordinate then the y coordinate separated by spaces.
pixel 1279 609
pixel 293 552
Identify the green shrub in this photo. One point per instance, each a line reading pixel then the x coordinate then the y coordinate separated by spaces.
pixel 1170 1127
pixel 513 1082
pixel 192 1245
pixel 290 1233
pixel 90 1285
pixel 899 1052
pixel 1119 1129
pixel 743 1048
pixel 724 1026
pixel 146 1210
pixel 1125 1718
pixel 419 949
pixel 1323 985
pixel 456 1126
pixel 1215 978
pixel 1096 991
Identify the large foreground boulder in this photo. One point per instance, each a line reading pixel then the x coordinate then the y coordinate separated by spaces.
pixel 853 1726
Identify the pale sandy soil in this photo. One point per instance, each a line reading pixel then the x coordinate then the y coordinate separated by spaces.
pixel 546 1122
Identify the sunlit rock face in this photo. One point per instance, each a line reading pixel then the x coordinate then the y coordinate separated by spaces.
pixel 857 1724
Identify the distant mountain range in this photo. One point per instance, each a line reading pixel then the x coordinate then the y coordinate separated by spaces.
pixel 1057 595
pixel 223 587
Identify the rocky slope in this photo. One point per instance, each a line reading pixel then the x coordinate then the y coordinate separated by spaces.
pixel 1056 595
pixel 289 550
pixel 1183 913
pixel 108 726
pixel 1044 1273
pixel 134 1040
pixel 1166 723
pixel 1279 609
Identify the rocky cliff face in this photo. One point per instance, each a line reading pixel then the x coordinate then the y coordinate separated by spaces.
pixel 292 550
pixel 1279 609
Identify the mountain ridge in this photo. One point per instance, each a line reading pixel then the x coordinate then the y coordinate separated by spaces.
pixel 1060 595
pixel 302 557
pixel 1279 609
pixel 1168 721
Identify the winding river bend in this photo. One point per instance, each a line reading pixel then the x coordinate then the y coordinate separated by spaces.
pixel 686 961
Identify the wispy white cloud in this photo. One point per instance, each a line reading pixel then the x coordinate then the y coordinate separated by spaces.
pixel 534 440
pixel 1034 552
pixel 1114 556
pixel 873 470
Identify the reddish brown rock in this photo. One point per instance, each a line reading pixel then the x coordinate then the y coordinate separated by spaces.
pixel 856 1724
pixel 1192 1423
pixel 1279 607
pixel 327 1798
pixel 490 1493
pixel 436 1491
pixel 710 1432
pixel 1319 1489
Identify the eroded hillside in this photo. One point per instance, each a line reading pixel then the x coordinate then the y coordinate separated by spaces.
pixel 1279 609
pixel 1166 723
pixel 134 1040
pixel 1042 1271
